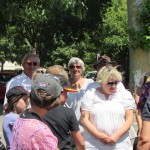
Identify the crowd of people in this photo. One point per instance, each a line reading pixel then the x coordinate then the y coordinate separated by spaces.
pixel 51 111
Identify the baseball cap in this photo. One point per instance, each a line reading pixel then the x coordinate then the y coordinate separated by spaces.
pixel 15 92
pixel 48 83
pixel 64 83
pixel 104 60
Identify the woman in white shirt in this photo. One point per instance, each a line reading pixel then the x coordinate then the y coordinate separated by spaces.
pixel 107 114
pixel 78 82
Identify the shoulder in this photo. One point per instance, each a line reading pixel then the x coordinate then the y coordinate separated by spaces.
pixel 89 80
pixel 18 77
pixel 93 85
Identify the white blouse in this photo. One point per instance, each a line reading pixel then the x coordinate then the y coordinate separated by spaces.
pixel 108 117
pixel 74 99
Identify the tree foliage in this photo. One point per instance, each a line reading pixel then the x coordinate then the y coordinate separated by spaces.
pixel 141 36
pixel 49 25
pixel 63 29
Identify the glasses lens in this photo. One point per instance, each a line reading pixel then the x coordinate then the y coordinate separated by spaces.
pixel 112 83
pixel 72 67
pixel 35 63
pixel 29 63
pixel 78 67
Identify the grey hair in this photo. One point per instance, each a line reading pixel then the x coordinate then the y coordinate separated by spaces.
pixel 108 72
pixel 76 60
pixel 30 55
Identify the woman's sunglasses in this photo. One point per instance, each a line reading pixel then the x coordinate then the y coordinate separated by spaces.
pixel 112 83
pixel 32 63
pixel 78 67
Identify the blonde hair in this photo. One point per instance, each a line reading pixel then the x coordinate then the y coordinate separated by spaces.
pixel 57 69
pixel 107 72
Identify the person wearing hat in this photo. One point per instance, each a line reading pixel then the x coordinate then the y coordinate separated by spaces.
pixel 29 130
pixel 62 120
pixel 104 60
pixel 17 102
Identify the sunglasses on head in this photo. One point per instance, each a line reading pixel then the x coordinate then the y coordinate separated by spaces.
pixel 78 67
pixel 112 83
pixel 32 63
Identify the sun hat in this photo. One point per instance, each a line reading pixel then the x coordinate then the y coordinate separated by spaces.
pixel 103 61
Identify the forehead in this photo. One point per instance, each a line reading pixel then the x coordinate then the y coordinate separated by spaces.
pixel 31 58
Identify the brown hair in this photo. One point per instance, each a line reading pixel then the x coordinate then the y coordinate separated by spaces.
pixel 57 69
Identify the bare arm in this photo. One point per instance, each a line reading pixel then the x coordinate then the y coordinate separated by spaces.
pixel 85 116
pixel 138 111
pixel 125 127
pixel 79 141
pixel 145 136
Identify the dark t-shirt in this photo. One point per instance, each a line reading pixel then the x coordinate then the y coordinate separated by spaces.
pixel 61 120
pixel 146 110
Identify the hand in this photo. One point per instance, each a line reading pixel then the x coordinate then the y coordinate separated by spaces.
pixel 104 138
pixel 113 139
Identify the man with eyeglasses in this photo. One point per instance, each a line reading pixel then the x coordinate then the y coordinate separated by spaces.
pixel 30 63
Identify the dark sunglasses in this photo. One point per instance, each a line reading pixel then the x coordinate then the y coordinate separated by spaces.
pixel 78 67
pixel 112 83
pixel 32 63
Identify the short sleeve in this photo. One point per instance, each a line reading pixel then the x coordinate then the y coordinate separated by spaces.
pixel 146 110
pixel 86 102
pixel 129 101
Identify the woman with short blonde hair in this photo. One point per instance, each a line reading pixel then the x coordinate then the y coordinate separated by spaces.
pixel 107 114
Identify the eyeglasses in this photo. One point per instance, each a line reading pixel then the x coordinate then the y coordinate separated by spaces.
pixel 32 63
pixel 78 67
pixel 112 83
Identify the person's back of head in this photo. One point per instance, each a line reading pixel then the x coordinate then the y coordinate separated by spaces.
pixel 57 69
pixel 45 90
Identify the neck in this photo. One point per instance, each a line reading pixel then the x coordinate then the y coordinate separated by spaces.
pixel 40 111
pixel 75 79
pixel 28 75
pixel 103 92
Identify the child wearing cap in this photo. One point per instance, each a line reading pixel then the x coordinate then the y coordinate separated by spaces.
pixel 62 120
pixel 29 130
pixel 17 101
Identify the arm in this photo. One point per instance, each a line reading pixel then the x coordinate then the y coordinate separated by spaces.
pixel 138 111
pixel 145 136
pixel 79 141
pixel 85 116
pixel 125 127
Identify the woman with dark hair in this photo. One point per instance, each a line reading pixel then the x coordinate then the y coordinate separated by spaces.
pixel 29 130
pixel 17 101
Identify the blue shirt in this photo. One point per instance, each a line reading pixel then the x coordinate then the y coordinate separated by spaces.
pixel 19 80
pixel 8 123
